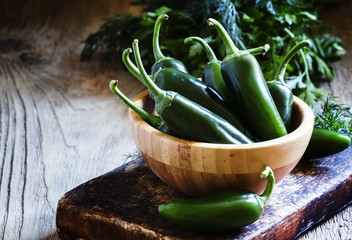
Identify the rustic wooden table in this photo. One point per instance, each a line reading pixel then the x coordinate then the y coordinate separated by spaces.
pixel 59 123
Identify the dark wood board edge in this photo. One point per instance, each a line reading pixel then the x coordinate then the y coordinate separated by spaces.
pixel 89 225
pixel 336 196
pixel 311 215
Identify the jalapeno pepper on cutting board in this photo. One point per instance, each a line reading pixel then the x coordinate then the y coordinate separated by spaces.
pixel 161 61
pixel 219 212
pixel 186 118
pixel 280 92
pixel 245 81
pixel 325 142
pixel 189 87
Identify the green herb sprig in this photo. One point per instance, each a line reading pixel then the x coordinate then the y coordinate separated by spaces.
pixel 334 116
pixel 131 155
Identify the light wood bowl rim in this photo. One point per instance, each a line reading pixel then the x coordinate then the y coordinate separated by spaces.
pixel 304 128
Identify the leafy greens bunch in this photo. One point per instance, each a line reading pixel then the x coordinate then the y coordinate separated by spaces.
pixel 250 23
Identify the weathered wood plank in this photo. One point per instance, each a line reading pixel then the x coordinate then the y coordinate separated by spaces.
pixel 43 125
pixel 59 123
pixel 56 127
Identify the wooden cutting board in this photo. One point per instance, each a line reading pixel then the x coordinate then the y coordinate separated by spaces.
pixel 122 204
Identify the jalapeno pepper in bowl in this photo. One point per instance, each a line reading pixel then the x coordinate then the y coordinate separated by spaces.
pixel 187 118
pixel 161 61
pixel 245 81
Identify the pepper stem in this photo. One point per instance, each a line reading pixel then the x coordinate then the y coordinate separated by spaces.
pixel 207 49
pixel 262 50
pixel 267 173
pixel 162 98
pixel 158 55
pixel 283 65
pixel 154 121
pixel 130 66
pixel 229 44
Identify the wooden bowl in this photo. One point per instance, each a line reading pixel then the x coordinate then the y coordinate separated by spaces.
pixel 196 168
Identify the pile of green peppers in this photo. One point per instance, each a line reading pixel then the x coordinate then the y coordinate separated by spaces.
pixel 231 104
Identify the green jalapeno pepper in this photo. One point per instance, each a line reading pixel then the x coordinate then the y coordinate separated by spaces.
pixel 219 212
pixel 280 92
pixel 188 119
pixel 151 119
pixel 211 75
pixel 325 142
pixel 244 79
pixel 189 87
pixel 162 61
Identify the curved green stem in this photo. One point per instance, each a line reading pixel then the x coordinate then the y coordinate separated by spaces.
pixel 154 121
pixel 283 65
pixel 267 173
pixel 162 98
pixel 153 89
pixel 207 49
pixel 289 32
pixel 306 67
pixel 229 44
pixel 130 66
pixel 158 55
pixel 262 50
pixel 309 83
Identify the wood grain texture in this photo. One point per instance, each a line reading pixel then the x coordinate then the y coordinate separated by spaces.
pixel 115 211
pixel 60 125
